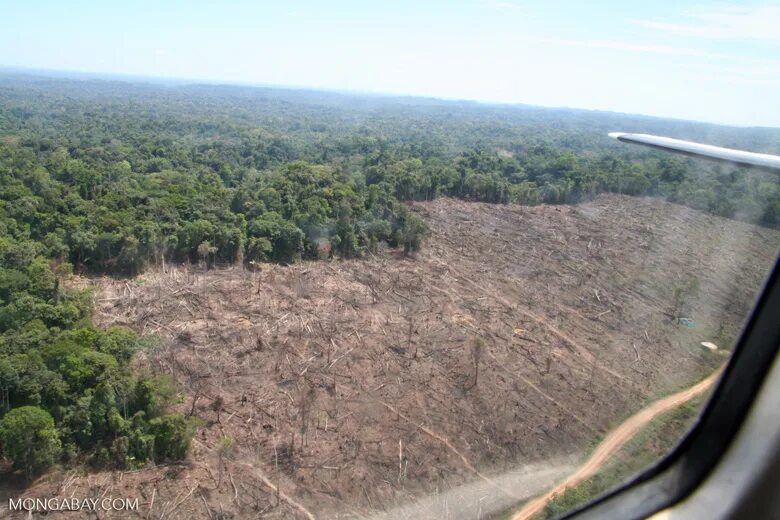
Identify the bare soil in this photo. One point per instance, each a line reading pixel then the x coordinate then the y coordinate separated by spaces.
pixel 517 336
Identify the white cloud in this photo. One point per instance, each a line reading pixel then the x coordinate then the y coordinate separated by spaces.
pixel 634 47
pixel 719 67
pixel 502 5
pixel 756 23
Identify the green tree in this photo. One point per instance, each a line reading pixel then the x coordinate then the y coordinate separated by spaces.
pixel 172 436
pixel 30 439
pixel 412 233
pixel 287 240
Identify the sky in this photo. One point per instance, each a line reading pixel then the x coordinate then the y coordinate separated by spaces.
pixel 716 62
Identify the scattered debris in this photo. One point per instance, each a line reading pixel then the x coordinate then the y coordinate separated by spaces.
pixel 301 355
pixel 687 322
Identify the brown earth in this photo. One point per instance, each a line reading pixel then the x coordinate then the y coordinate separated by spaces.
pixel 516 337
pixel 615 440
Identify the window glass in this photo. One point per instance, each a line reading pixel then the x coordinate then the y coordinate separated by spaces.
pixel 346 260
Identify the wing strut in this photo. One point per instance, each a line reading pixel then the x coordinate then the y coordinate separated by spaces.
pixel 754 160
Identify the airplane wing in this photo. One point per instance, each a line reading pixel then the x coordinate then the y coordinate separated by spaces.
pixel 754 160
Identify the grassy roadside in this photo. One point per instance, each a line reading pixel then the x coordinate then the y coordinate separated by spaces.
pixel 650 444
pixel 710 363
pixel 646 447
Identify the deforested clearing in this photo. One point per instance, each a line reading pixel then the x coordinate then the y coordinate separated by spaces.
pixel 518 335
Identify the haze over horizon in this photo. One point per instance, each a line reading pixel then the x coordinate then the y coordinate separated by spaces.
pixel 685 60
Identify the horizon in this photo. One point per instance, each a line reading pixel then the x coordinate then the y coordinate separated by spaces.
pixel 711 63
pixel 170 81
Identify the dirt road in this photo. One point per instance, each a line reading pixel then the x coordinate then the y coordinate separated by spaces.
pixel 615 440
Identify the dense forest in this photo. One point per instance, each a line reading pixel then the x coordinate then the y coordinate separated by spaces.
pixel 106 176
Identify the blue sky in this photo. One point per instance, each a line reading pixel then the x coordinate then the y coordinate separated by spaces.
pixel 716 62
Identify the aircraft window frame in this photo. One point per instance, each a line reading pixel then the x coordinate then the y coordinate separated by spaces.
pixel 679 473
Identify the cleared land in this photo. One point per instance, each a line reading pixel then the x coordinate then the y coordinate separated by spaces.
pixel 517 336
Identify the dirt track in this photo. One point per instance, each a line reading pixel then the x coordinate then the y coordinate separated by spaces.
pixel 614 441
